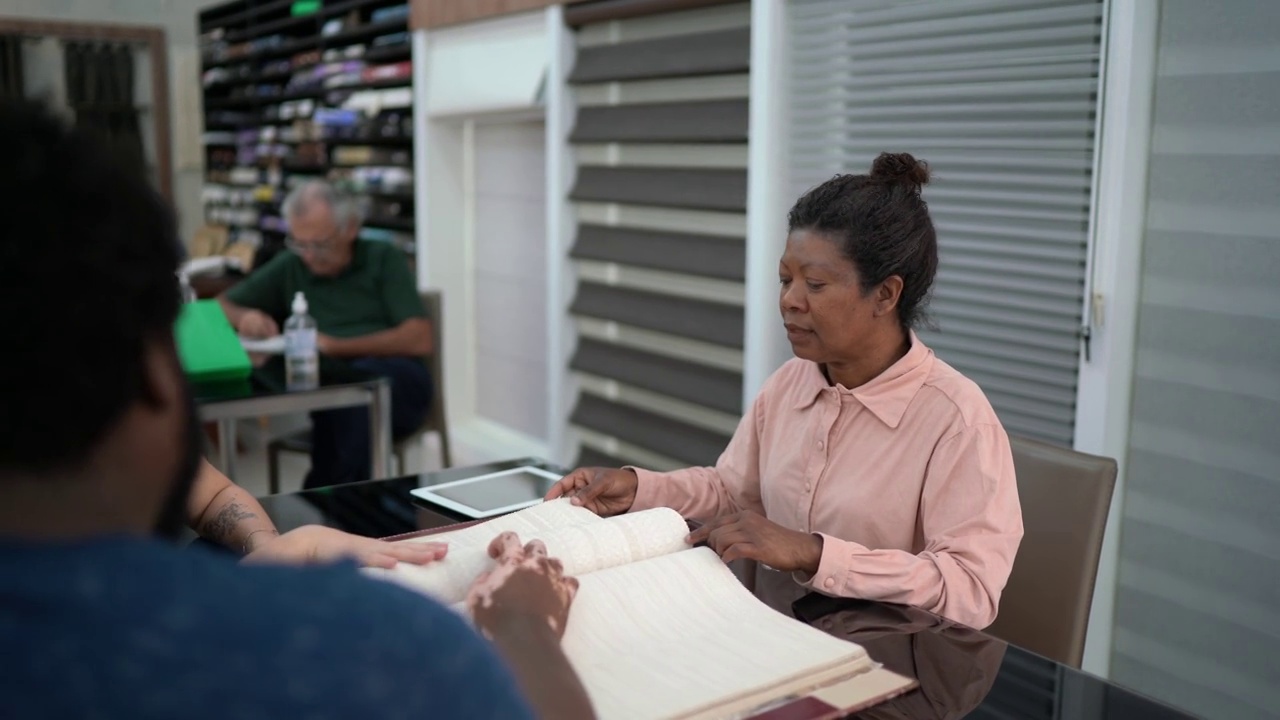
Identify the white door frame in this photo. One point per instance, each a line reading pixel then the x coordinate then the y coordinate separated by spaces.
pixel 1105 386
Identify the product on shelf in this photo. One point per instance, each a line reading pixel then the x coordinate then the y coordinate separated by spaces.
pixel 243 175
pixel 389 71
pixel 367 155
pixel 387 14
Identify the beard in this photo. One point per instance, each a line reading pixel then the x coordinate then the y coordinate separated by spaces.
pixel 173 514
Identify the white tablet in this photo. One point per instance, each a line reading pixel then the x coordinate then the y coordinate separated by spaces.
pixel 492 494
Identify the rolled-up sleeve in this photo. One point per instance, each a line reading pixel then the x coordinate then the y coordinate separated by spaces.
pixel 971 522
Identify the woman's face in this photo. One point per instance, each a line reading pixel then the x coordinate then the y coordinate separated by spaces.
pixel 829 319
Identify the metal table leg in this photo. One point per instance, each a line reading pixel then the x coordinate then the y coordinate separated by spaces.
pixel 380 430
pixel 227 447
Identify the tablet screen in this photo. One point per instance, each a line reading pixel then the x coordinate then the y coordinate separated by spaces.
pixel 498 491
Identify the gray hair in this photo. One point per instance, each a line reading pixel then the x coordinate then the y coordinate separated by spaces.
pixel 346 208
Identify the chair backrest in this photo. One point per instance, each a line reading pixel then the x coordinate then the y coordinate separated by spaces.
pixel 435 310
pixel 1065 496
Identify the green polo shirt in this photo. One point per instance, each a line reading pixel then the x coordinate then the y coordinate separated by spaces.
pixel 376 292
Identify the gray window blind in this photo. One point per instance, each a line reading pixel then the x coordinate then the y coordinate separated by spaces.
pixel 1197 620
pixel 660 147
pixel 1000 97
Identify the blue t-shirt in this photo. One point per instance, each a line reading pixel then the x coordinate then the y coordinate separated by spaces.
pixel 130 628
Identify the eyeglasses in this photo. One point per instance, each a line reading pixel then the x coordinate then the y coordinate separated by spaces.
pixel 316 247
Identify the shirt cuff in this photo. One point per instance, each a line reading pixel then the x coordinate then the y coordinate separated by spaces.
pixel 648 489
pixel 833 568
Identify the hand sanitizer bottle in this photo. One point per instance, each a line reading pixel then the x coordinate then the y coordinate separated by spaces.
pixel 301 362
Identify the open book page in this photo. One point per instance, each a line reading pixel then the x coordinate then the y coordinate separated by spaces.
pixel 583 541
pixel 678 636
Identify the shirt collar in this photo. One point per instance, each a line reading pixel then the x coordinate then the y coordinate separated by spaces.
pixel 887 395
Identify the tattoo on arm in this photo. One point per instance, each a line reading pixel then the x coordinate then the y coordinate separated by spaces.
pixel 222 526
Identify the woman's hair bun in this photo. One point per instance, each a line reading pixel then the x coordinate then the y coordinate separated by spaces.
pixel 901 168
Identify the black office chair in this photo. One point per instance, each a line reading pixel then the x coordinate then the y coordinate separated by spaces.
pixel 436 421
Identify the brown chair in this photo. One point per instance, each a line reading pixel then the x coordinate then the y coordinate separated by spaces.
pixel 437 419
pixel 1065 497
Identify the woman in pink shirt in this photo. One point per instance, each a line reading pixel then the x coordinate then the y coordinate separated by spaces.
pixel 866 466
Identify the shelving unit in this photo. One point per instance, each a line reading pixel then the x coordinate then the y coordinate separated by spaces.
pixel 289 97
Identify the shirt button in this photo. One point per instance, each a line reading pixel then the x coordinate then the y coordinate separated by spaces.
pixel 830 583
pixel 807 486
pixel 819 444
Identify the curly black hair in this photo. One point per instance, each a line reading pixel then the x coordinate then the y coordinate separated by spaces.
pixel 882 224
pixel 88 253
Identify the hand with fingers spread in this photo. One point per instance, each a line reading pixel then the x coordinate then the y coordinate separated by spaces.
pixel 750 535
pixel 604 491
pixel 525 584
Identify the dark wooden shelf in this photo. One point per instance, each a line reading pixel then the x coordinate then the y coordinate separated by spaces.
pixel 398 196
pixel 242 226
pixel 213 18
pixel 238 102
pixel 260 100
pixel 378 141
pixel 300 169
pixel 346 7
pixel 274 75
pixel 382 84
pixel 389 53
pixel 310 94
pixel 390 223
pixel 268 8
pixel 368 30
pixel 272 27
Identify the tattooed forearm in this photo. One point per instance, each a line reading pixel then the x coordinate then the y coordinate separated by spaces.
pixel 222 526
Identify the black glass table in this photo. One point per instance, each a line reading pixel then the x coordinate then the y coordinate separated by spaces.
pixel 265 393
pixel 963 673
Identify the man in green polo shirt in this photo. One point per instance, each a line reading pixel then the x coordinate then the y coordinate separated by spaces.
pixel 366 305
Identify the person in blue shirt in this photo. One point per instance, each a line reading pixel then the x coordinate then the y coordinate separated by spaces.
pixel 100 614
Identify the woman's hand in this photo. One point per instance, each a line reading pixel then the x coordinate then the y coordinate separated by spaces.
pixel 752 536
pixel 526 586
pixel 318 544
pixel 603 491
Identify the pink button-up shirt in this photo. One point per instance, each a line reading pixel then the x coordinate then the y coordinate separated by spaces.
pixel 908 479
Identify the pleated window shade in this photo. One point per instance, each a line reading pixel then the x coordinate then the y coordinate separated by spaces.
pixel 1000 97
pixel 1197 605
pixel 660 189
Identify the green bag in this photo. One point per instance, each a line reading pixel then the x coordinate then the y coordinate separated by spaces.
pixel 207 344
